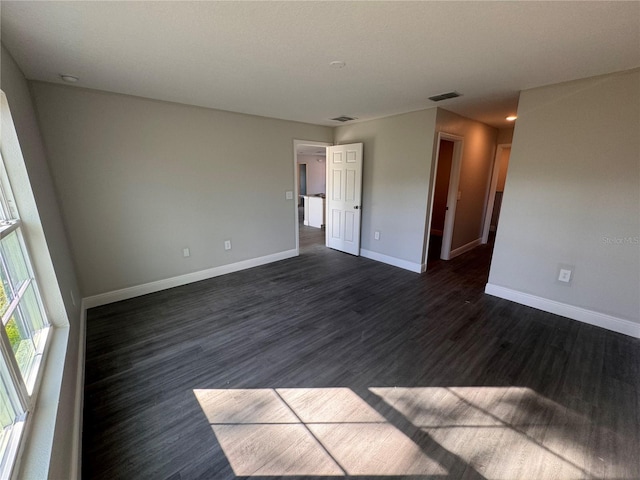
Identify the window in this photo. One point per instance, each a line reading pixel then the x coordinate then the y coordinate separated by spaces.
pixel 25 329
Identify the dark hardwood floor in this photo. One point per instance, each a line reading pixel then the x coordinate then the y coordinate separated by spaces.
pixel 329 365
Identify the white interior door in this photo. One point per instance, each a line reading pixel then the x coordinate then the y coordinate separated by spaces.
pixel 344 197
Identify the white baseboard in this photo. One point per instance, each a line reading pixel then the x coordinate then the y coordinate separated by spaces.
pixel 396 262
pixel 76 446
pixel 138 290
pixel 591 317
pixel 465 248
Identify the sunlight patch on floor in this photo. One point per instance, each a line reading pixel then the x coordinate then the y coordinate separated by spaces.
pixel 274 450
pixel 489 432
pixel 506 432
pixel 324 431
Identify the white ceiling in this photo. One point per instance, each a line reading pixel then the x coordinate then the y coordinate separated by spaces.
pixel 272 58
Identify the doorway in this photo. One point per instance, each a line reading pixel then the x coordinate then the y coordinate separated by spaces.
pixel 302 181
pixel 444 197
pixel 309 167
pixel 440 195
pixel 496 190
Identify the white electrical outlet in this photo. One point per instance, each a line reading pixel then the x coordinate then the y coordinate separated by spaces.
pixel 376 235
pixel 227 244
pixel 186 253
pixel 288 195
pixel 564 275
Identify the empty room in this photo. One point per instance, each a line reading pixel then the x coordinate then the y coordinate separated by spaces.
pixel 312 240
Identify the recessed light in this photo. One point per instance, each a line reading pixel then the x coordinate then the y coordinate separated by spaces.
pixel 69 78
pixel 337 64
pixel 511 118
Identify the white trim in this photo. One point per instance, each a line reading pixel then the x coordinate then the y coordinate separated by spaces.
pixel 296 193
pixel 465 248
pixel 151 287
pixel 615 324
pixel 492 191
pixel 396 262
pixel 76 441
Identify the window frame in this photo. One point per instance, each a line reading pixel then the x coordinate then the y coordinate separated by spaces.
pixel 7 460
pixel 22 392
pixel 57 407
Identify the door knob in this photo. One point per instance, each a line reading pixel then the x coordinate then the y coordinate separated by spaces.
pixel 356 207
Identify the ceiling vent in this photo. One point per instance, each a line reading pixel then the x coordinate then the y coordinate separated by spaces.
pixel 344 118
pixel 444 96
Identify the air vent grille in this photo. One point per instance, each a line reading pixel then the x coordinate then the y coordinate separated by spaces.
pixel 444 96
pixel 343 118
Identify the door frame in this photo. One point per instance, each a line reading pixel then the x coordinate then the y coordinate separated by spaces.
pixel 296 193
pixel 492 191
pixel 452 196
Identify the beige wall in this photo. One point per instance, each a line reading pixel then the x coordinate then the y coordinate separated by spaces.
pixel 504 167
pixel 573 195
pixel 47 240
pixel 316 173
pixel 398 154
pixel 140 180
pixel 505 135
pixel 477 162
